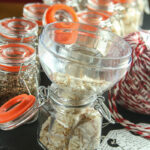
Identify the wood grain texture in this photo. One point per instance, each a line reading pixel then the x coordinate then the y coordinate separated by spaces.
pixel 11 9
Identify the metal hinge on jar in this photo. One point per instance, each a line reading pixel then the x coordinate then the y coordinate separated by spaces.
pixel 102 108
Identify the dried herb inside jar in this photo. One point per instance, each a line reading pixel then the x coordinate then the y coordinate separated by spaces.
pixel 18 71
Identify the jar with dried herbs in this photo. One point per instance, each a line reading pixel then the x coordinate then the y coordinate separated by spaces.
pixel 68 127
pixel 18 71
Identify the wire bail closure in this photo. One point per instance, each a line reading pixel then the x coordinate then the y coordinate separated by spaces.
pixel 44 95
pixel 102 108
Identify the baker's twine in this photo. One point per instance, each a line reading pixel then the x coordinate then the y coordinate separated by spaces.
pixel 133 91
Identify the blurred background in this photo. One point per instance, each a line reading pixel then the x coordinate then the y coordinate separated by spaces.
pixel 10 8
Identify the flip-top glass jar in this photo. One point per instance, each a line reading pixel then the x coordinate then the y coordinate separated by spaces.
pixel 18 71
pixel 131 15
pixel 18 30
pixel 105 21
pixel 110 9
pixel 127 10
pixel 35 12
pixel 70 127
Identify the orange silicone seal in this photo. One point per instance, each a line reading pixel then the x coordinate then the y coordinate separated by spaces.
pixel 21 104
pixel 28 52
pixel 17 28
pixel 104 2
pixel 123 1
pixel 37 10
pixel 66 33
pixel 92 17
pixel 52 10
pixel 61 36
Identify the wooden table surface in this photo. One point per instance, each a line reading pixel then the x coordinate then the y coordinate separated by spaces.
pixel 11 9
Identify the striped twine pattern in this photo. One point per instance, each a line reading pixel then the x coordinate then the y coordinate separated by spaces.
pixel 133 91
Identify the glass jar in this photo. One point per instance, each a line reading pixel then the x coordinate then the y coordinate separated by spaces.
pixel 131 15
pixel 18 30
pixel 59 12
pixel 35 12
pixel 110 9
pixel 18 71
pixel 66 127
pixel 105 21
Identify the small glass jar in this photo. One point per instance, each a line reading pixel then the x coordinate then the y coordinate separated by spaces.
pixel 70 127
pixel 131 15
pixel 127 10
pixel 18 71
pixel 19 110
pixel 18 30
pixel 59 12
pixel 103 20
pixel 110 9
pixel 35 12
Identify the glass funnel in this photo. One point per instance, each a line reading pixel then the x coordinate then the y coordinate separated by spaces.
pixel 82 60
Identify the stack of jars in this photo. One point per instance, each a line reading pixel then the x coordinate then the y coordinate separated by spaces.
pixel 19 72
pixel 19 63
pixel 18 67
pixel 124 16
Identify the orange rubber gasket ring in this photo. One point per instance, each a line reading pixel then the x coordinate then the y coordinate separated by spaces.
pixel 15 68
pixel 68 37
pixel 103 2
pixel 51 11
pixel 6 22
pixel 25 102
pixel 65 38
pixel 124 1
pixel 25 40
pixel 104 16
pixel 36 5
pixel 60 36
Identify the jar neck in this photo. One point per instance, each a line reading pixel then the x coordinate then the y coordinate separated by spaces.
pixel 58 98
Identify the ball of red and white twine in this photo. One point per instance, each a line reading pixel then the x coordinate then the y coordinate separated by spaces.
pixel 133 91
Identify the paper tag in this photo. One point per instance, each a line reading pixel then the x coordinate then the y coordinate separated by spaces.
pixel 124 140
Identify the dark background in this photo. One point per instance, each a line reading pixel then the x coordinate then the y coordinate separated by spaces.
pixel 25 137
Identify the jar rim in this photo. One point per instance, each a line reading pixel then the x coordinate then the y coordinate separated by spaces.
pixel 18 29
pixel 15 56
pixel 35 11
pixel 124 1
pixel 108 9
pixel 97 17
